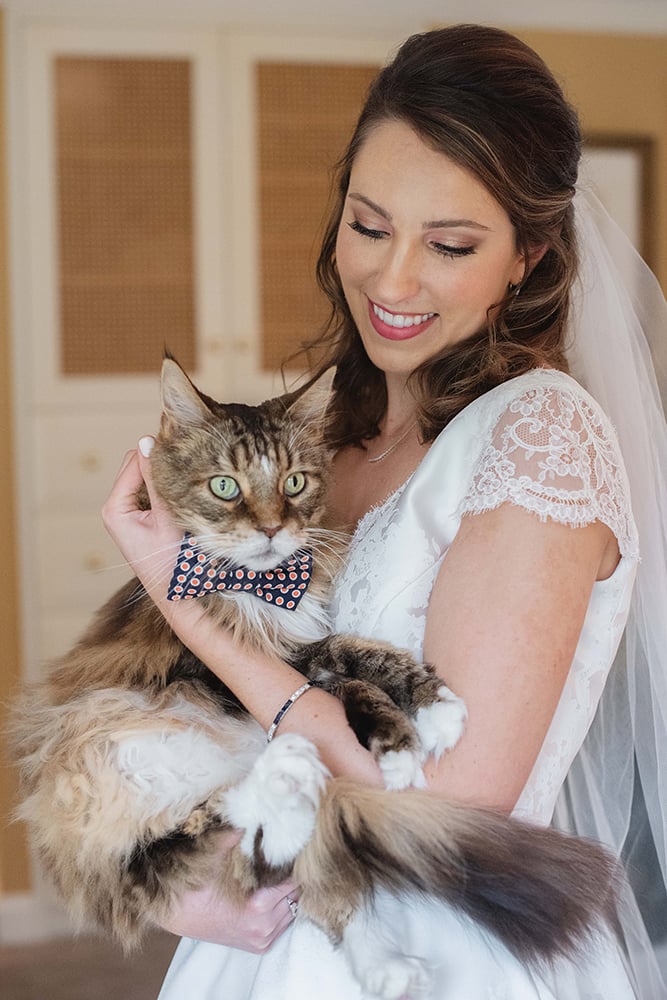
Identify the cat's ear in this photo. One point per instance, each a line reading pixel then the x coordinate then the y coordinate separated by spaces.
pixel 182 403
pixel 311 404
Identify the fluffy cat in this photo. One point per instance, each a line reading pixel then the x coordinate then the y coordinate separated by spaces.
pixel 134 757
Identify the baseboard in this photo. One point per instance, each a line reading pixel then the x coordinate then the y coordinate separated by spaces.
pixel 26 918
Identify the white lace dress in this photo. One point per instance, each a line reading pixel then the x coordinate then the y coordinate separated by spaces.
pixel 541 442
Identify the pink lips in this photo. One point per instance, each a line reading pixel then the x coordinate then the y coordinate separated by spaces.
pixel 396 332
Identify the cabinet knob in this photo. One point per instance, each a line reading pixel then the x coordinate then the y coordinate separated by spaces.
pixel 93 563
pixel 90 461
pixel 215 347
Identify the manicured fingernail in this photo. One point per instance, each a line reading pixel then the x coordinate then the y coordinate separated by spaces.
pixel 146 445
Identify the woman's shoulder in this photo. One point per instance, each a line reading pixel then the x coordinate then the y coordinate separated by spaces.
pixel 540 383
pixel 544 443
pixel 551 396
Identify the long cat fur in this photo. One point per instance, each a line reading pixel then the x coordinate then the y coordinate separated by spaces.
pixel 135 758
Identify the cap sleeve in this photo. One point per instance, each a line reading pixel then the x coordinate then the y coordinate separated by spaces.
pixel 554 452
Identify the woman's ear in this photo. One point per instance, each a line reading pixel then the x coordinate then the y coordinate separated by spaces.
pixel 535 255
pixel 525 264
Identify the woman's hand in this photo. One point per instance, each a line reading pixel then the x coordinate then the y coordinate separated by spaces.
pixel 148 539
pixel 206 916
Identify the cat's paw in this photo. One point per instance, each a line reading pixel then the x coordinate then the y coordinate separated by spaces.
pixel 398 976
pixel 401 769
pixel 279 799
pixel 377 962
pixel 441 724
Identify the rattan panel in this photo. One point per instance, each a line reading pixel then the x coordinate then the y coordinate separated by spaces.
pixel 124 214
pixel 305 113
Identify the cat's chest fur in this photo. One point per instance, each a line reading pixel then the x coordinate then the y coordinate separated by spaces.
pixel 276 628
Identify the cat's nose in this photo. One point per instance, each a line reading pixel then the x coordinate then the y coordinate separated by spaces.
pixel 270 530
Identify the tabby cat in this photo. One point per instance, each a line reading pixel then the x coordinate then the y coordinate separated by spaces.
pixel 134 757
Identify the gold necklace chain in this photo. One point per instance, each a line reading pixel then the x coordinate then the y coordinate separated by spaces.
pixel 391 447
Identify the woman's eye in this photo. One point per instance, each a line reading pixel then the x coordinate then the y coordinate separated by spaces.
pixel 452 252
pixel 371 234
pixel 224 487
pixel 294 484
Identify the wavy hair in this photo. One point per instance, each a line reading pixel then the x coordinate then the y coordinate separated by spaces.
pixel 488 102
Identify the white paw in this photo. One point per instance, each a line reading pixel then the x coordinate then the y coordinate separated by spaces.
pixel 401 769
pixel 280 795
pixel 398 976
pixel 440 725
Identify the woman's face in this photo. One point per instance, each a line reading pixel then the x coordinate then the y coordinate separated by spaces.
pixel 423 250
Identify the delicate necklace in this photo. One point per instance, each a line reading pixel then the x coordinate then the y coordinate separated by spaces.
pixel 378 458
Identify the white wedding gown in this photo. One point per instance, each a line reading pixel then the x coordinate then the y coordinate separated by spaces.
pixel 541 442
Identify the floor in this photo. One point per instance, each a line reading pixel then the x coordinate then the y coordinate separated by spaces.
pixel 83 969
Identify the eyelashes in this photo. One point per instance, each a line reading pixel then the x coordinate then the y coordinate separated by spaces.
pixel 442 249
pixel 371 234
pixel 453 252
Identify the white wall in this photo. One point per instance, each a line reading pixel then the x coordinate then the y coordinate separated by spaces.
pixel 377 17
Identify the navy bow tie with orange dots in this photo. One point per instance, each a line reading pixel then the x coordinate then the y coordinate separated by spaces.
pixel 196 575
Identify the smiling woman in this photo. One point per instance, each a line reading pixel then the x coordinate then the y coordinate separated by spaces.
pixel 457 190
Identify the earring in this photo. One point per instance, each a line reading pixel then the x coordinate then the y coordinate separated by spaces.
pixel 514 289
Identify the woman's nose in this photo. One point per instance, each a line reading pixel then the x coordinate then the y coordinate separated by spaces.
pixel 398 278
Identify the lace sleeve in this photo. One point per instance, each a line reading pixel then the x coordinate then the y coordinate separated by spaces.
pixel 554 453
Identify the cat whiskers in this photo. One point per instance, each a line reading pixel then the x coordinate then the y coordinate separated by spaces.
pixel 171 549
pixel 137 595
pixel 162 572
pixel 328 546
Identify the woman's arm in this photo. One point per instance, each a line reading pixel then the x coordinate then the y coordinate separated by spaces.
pixel 503 623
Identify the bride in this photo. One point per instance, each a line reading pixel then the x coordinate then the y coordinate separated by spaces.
pixel 501 457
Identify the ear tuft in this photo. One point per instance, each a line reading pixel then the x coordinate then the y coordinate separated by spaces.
pixel 182 403
pixel 311 405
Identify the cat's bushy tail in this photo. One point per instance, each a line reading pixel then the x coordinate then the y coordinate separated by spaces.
pixel 540 891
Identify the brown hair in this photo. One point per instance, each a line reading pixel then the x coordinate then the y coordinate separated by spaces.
pixel 487 101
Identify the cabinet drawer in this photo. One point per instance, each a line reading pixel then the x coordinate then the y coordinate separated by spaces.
pixel 79 565
pixel 78 456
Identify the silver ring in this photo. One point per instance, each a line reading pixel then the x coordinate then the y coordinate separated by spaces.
pixel 293 906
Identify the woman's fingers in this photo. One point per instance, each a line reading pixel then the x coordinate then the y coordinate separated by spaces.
pixel 144 449
pixel 146 444
pixel 269 914
pixel 122 498
pixel 253 926
pixel 148 539
pixel 129 466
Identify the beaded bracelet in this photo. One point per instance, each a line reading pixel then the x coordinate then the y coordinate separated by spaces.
pixel 286 707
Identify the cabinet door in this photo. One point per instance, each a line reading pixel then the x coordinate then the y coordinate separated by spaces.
pixel 121 224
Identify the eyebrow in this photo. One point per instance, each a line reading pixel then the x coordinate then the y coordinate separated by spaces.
pixel 432 224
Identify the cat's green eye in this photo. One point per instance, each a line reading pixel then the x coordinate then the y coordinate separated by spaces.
pixel 294 484
pixel 224 487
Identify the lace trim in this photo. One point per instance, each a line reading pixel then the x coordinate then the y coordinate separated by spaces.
pixel 555 454
pixel 367 521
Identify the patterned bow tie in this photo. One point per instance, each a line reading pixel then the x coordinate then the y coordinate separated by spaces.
pixel 196 575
